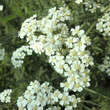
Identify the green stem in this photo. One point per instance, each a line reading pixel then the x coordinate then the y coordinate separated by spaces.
pixel 107 8
pixel 87 108
pixel 90 102
pixel 91 27
pixel 94 92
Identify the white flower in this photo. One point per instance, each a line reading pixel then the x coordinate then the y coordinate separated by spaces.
pixel 105 67
pixel 93 6
pixel 103 24
pixel 65 99
pixel 74 101
pixel 80 46
pixel 52 11
pixel 5 96
pixel 85 40
pixel 66 67
pixel 52 60
pixel 37 47
pixel 71 82
pixel 1 7
pixel 67 53
pixel 69 42
pixel 2 53
pixel 99 26
pixel 78 1
pixel 28 27
pixel 49 51
pixel 59 67
pixel 65 85
pixel 21 102
pixel 56 95
pixel 68 73
pixel 75 31
pixel 19 55
pixel 68 108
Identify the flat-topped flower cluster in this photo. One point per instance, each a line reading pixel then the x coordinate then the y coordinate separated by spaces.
pixel 105 67
pixel 43 96
pixel 5 96
pixel 65 48
pixel 92 6
pixel 76 1
pixel 18 56
pixel 103 24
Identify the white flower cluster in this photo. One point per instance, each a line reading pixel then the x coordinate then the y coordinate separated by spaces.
pixel 5 96
pixel 103 24
pixel 105 67
pixel 2 53
pixel 92 6
pixel 51 31
pixel 78 1
pixel 65 48
pixel 75 64
pixel 40 97
pixel 28 27
pixel 18 56
pixel 1 7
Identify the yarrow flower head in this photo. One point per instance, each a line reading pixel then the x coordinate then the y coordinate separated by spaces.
pixel 5 96
pixel 39 96
pixel 18 56
pixel 105 67
pixel 1 7
pixel 78 1
pixel 103 24
pixel 67 53
pixel 92 6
